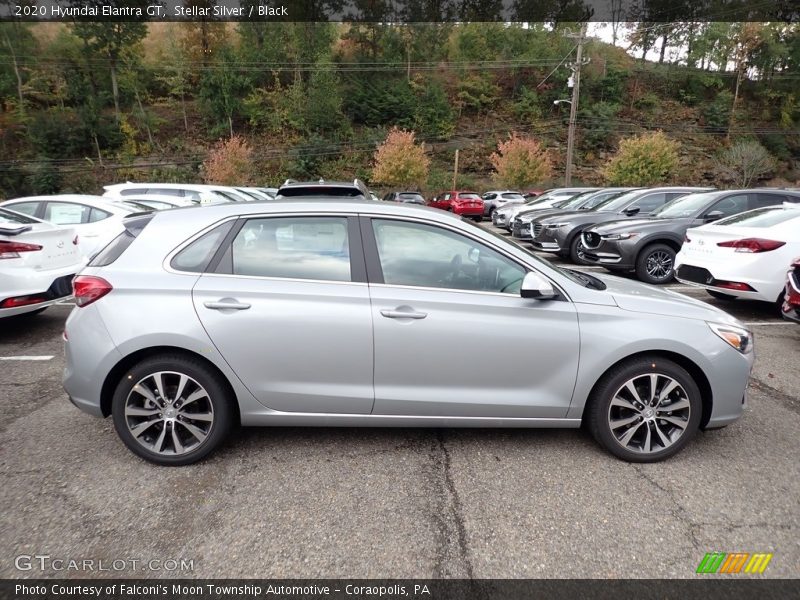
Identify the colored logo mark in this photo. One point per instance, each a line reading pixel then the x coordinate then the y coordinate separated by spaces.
pixel 734 562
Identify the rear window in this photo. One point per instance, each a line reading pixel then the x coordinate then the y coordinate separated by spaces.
pixel 7 216
pixel 469 197
pixel 513 196
pixel 197 255
pixel 761 217
pixel 115 248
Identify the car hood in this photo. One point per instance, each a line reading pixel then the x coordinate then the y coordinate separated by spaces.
pixel 530 215
pixel 645 225
pixel 641 298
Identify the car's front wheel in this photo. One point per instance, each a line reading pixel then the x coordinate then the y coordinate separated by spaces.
pixel 171 410
pixel 656 264
pixel 576 250
pixel 645 409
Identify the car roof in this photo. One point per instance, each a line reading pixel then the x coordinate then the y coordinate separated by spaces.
pixel 88 199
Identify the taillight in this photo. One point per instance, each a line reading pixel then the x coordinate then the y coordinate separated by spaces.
pixel 752 245
pixel 87 289
pixel 22 301
pixel 12 249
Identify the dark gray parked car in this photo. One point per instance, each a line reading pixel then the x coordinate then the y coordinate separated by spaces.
pixel 648 246
pixel 590 200
pixel 561 234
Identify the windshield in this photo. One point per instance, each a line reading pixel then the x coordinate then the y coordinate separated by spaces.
pixel 685 206
pixel 618 202
pixel 469 196
pixel 761 217
pixel 412 197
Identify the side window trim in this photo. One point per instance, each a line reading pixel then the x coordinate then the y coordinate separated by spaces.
pixel 222 261
pixel 373 263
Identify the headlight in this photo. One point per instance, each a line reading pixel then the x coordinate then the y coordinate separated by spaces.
pixel 555 225
pixel 618 236
pixel 738 337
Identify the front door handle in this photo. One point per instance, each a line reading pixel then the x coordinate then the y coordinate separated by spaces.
pixel 403 314
pixel 226 305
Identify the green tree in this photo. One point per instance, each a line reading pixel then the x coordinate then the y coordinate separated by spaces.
pixel 644 160
pixel 222 91
pixel 110 40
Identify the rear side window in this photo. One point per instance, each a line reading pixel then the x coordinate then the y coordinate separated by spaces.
pixel 293 248
pixel 67 213
pixel 763 200
pixel 165 191
pixel 26 208
pixel 115 248
pixel 197 255
pixel 98 215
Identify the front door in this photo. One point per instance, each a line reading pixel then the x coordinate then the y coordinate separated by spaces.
pixel 453 337
pixel 289 310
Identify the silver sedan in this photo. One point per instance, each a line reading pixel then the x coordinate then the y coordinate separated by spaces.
pixel 327 312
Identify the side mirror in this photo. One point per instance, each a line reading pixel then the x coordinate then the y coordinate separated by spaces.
pixel 633 210
pixel 536 286
pixel 714 215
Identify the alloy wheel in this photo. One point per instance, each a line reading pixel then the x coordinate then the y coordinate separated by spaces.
pixel 659 265
pixel 169 413
pixel 649 413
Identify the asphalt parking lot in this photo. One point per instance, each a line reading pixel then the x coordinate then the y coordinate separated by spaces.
pixel 292 502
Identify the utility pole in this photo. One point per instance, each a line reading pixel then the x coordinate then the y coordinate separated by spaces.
pixel 573 107
pixel 455 171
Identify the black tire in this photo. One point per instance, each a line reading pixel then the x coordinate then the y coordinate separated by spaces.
pixel 652 258
pixel 477 219
pixel 597 414
pixel 575 250
pixel 218 396
pixel 721 296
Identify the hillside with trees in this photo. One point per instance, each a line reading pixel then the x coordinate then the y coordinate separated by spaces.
pixel 93 103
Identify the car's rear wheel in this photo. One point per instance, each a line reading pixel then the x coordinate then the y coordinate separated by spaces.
pixel 645 410
pixel 171 410
pixel 655 264
pixel 720 295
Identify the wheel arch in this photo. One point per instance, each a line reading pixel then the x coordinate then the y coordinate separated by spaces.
pixel 697 374
pixel 118 370
pixel 659 239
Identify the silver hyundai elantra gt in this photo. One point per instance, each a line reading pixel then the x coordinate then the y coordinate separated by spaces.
pixel 348 313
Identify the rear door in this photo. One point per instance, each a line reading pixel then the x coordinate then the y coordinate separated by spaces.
pixel 289 309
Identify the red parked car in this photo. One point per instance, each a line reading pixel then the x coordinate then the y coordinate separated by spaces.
pixel 791 302
pixel 460 202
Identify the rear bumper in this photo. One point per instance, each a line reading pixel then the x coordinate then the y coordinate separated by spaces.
pixel 715 278
pixel 42 292
pixel 468 211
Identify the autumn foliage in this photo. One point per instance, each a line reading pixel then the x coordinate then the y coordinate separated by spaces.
pixel 229 163
pixel 520 162
pixel 399 162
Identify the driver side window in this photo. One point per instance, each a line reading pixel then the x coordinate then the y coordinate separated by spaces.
pixel 730 205
pixel 422 255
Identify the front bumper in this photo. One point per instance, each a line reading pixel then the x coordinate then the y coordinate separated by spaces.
pixel 547 239
pixel 521 230
pixel 791 301
pixel 614 254
pixel 499 219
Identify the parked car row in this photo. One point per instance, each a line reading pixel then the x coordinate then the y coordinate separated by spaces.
pixel 649 232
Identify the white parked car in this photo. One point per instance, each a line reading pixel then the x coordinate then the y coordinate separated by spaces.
pixel 504 215
pixel 205 194
pixel 154 201
pixel 37 263
pixel 96 220
pixel 744 256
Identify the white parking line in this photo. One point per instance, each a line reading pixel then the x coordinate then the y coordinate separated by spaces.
pixel 26 357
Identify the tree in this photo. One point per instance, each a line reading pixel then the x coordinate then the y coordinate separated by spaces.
pixel 745 162
pixel 399 162
pixel 222 90
pixel 110 40
pixel 644 160
pixel 520 162
pixel 229 163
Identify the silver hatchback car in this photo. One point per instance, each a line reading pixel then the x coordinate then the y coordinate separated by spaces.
pixel 331 312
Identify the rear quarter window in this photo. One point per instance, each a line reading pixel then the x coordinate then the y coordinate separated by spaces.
pixel 196 257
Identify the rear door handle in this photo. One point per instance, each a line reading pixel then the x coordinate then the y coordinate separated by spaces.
pixel 226 305
pixel 403 314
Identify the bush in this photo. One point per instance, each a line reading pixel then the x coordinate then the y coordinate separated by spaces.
pixel 45 178
pixel 433 117
pixel 647 102
pixel 372 101
pixel 476 93
pixel 399 162
pixel 520 162
pixel 643 160
pixel 528 106
pixel 229 163
pixel 745 162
